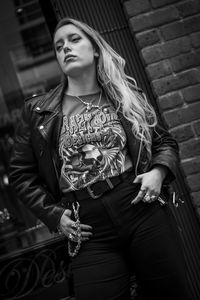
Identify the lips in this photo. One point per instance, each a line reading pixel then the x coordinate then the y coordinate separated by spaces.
pixel 68 57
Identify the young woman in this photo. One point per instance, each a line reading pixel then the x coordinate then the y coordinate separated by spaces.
pixel 91 161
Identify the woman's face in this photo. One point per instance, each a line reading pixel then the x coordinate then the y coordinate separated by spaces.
pixel 74 51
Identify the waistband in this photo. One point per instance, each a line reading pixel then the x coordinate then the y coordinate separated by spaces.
pixel 96 190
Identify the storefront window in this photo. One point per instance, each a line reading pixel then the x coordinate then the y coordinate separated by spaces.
pixel 28 67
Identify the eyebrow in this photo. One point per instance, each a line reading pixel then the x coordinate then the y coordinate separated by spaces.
pixel 69 36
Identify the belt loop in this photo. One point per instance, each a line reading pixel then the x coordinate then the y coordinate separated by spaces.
pixel 109 183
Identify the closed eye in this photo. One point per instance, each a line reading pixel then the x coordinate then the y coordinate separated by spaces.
pixel 59 47
pixel 75 39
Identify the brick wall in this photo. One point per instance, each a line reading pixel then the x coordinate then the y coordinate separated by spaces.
pixel 167 34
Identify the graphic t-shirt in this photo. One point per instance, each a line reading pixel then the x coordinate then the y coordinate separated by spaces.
pixel 92 145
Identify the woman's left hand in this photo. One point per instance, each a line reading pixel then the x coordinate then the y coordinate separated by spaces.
pixel 151 183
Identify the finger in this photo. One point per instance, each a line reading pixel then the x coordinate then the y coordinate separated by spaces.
pixel 73 238
pixel 86 234
pixel 84 239
pixel 150 197
pixel 137 179
pixel 73 224
pixel 147 198
pixel 153 195
pixel 153 198
pixel 67 212
pixel 67 232
pixel 73 232
pixel 139 196
pixel 85 227
pixel 68 228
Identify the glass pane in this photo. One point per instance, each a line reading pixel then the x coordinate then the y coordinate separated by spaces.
pixel 28 67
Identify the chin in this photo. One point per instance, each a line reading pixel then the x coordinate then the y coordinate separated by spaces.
pixel 76 70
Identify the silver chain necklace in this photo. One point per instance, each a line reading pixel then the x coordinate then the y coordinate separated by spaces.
pixel 89 105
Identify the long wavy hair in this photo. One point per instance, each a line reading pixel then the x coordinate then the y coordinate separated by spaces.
pixel 121 88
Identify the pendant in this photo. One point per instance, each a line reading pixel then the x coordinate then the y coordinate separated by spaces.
pixel 89 106
pixel 105 110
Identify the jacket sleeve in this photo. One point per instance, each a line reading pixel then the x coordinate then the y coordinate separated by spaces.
pixel 165 151
pixel 25 178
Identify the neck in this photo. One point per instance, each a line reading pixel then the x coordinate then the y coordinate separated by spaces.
pixel 82 85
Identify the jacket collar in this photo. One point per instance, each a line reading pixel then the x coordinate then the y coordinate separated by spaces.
pixel 51 101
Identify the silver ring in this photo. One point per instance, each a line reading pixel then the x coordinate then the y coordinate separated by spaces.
pixel 73 238
pixel 147 198
pixel 70 236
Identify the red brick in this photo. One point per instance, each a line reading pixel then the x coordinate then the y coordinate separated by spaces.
pixel 140 23
pixel 191 93
pixel 170 100
pixel 180 28
pixel 196 126
pixel 196 200
pixel 195 39
pixel 190 148
pixel 176 46
pixel 182 133
pixel 147 38
pixel 152 54
pixel 194 182
pixel 159 69
pixel 188 8
pixel 173 30
pixel 191 165
pixel 133 8
pixel 154 19
pixel 163 16
pixel 185 61
pixel 175 82
pixel 182 115
pixel 192 24
pixel 192 76
pixel 159 3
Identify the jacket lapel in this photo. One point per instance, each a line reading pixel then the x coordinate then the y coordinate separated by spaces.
pixel 50 110
pixel 133 144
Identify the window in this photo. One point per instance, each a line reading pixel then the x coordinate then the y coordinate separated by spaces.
pixel 27 10
pixel 36 39
pixel 28 67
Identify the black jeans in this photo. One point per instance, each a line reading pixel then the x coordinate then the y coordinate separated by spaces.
pixel 127 238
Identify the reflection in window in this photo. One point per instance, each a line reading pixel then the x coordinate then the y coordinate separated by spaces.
pixel 28 67
pixel 27 10
pixel 31 54
pixel 36 40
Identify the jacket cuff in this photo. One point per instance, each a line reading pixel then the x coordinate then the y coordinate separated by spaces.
pixel 171 175
pixel 54 219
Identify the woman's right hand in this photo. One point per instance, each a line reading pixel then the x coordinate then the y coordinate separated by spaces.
pixel 69 227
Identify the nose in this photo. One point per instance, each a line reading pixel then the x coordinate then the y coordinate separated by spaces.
pixel 66 48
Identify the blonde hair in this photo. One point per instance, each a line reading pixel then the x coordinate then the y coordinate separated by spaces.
pixel 121 88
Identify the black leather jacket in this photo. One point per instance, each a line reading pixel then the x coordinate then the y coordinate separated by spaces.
pixel 34 166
